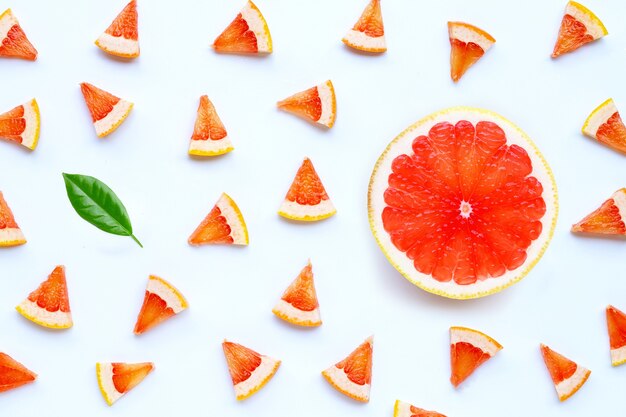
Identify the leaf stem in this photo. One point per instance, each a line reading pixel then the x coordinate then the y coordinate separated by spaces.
pixel 136 240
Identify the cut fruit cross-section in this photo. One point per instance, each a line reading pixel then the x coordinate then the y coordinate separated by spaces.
pixel 298 304
pixel 247 33
pixel 13 40
pixel 353 375
pixel 122 38
pixel 608 219
pixel 13 374
pixel 368 34
pixel 249 370
pixel 115 379
pixel 606 126
pixel 10 232
pixel 317 104
pixel 209 135
pixel 468 350
pixel 578 27
pixel 307 199
pixel 566 375
pixel 21 124
pixel 402 409
pixel 107 111
pixel 49 304
pixel 616 323
pixel 160 302
pixel 468 44
pixel 223 225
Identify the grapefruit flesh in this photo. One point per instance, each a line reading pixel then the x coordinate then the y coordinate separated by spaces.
pixel 468 44
pixel 616 324
pixel 223 225
pixel 462 203
pixel 249 370
pixel 13 374
pixel 608 219
pixel 468 350
pixel 107 111
pixel 353 375
pixel 402 409
pixel 122 37
pixel 49 304
pixel 298 304
pixel 578 27
pixel 566 375
pixel 317 104
pixel 21 124
pixel 115 379
pixel 13 40
pixel 161 301
pixel 209 136
pixel 248 33
pixel 10 232
pixel 368 34
pixel 606 126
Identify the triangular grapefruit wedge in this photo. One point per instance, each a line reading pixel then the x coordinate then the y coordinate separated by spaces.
pixel 578 27
pixel 468 350
pixel 115 379
pixel 368 33
pixel 307 199
pixel 249 370
pixel 13 40
pixel 402 409
pixel 10 232
pixel 616 324
pixel 49 304
pixel 606 126
pixel 468 44
pixel 298 304
pixel 317 104
pixel 353 375
pixel 223 225
pixel 21 124
pixel 248 33
pixel 13 374
pixel 566 375
pixel 209 136
pixel 107 111
pixel 161 301
pixel 122 37
pixel 608 219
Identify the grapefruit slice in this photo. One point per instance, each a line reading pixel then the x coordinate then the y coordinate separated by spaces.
pixel 578 27
pixel 307 199
pixel 13 374
pixel 462 203
pixel 608 219
pixel 13 40
pixel 209 135
pixel 247 33
pixel 317 104
pixel 10 232
pixel 468 44
pixel 605 125
pixel 161 301
pixel 107 111
pixel 21 124
pixel 402 409
pixel 49 304
pixel 616 323
pixel 115 379
pixel 353 375
pixel 468 350
pixel 298 304
pixel 122 37
pixel 567 376
pixel 223 225
pixel 249 370
pixel 368 34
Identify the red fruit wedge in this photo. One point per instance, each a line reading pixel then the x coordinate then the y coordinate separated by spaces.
pixel 247 34
pixel 13 40
pixel 107 111
pixel 468 350
pixel 13 374
pixel 298 304
pixel 317 104
pixel 49 304
pixel 209 135
pixel 10 232
pixel 122 37
pixel 161 301
pixel 608 219
pixel 606 126
pixel 578 27
pixel 368 34
pixel 353 375
pixel 468 44
pixel 223 225
pixel 402 409
pixel 115 379
pixel 566 375
pixel 21 124
pixel 249 370
pixel 616 323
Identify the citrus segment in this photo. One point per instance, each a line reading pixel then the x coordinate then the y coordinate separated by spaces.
pixel 247 33
pixel 608 219
pixel 209 136
pixel 317 104
pixel 161 301
pixel 578 27
pixel 107 111
pixel 249 370
pixel 616 324
pixel 223 225
pixel 468 44
pixel 307 199
pixel 298 304
pixel 13 40
pixel 368 34
pixel 606 126
pixel 468 350
pixel 21 124
pixel 10 232
pixel 122 38
pixel 402 409
pixel 115 379
pixel 353 375
pixel 13 374
pixel 566 375
pixel 49 304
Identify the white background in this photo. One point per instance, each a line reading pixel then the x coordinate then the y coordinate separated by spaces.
pixel 231 290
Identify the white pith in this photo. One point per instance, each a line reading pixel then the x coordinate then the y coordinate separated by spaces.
pixel 118 45
pixel 360 40
pixel 402 145
pixel 172 297
pixel 258 377
pixel 110 122
pixel 56 319
pixel 402 409
pixel 594 28
pixel 7 21
pixel 598 117
pixel 327 97
pixel 340 378
pixel 619 199
pixel 296 315
pixel 105 379
pixel 234 219
pixel 11 236
pixel 564 388
pixel 618 356
pixel 256 23
pixel 466 35
pixel 293 210
pixel 474 338
pixel 210 147
pixel 29 136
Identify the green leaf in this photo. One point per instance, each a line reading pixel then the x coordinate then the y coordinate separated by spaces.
pixel 96 203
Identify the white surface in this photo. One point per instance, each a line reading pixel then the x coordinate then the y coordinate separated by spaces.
pixel 231 290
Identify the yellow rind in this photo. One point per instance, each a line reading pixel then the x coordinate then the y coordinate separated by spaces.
pixel 213 153
pixel 35 106
pixel 334 105
pixel 173 290
pixel 289 319
pixel 307 218
pixel 363 48
pixel 105 395
pixel 266 29
pixel 591 15
pixel 41 322
pixel 261 384
pixel 11 243
pixel 489 338
pixel 618 363
pixel 115 52
pixel 341 390
pixel 235 207
pixel 593 114
pixel 118 122
pixel 576 388
pixel 396 408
